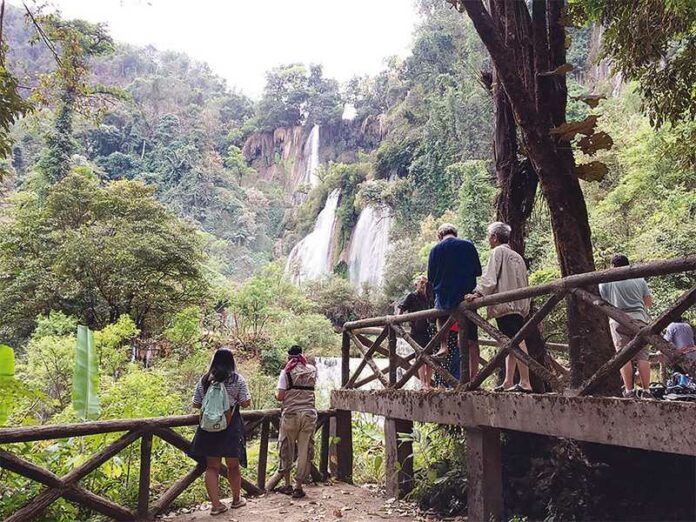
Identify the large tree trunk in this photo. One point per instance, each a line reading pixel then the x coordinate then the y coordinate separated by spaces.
pixel 538 104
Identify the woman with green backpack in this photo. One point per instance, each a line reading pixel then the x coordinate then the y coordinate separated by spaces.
pixel 219 395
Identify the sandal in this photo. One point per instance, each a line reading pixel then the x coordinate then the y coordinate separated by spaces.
pixel 500 388
pixel 217 511
pixel 518 389
pixel 285 490
pixel 298 493
pixel 240 503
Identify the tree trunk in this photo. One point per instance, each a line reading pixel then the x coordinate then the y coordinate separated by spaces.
pixel 537 107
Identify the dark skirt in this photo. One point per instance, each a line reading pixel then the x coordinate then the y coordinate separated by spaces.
pixel 451 362
pixel 227 443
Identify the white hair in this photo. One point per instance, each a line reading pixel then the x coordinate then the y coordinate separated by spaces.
pixel 446 229
pixel 501 230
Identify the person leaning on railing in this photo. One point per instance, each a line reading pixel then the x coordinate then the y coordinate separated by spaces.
pixel 453 265
pixel 506 270
pixel 416 301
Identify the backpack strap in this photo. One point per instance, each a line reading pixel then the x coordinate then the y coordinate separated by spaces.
pixel 293 386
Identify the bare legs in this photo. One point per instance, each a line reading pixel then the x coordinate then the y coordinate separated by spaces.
pixel 212 482
pixel 511 363
pixel 643 374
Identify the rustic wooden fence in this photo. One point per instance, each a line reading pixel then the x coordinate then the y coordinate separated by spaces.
pixel 556 376
pixel 68 485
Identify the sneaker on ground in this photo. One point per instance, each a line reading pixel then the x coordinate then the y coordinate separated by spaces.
pixel 629 394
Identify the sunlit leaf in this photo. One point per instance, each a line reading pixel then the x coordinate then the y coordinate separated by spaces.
pixel 7 370
pixel 86 376
pixel 567 131
pixel 558 71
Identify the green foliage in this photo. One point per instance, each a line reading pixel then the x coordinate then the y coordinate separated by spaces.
pixel 272 361
pixel 476 198
pixel 185 332
pixel 96 252
pixel 12 107
pixel 85 385
pixel 112 342
pixel 7 381
pixel 652 42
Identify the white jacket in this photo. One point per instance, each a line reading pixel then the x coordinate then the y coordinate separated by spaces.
pixel 506 270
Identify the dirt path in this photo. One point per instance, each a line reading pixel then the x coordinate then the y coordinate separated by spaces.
pixel 339 503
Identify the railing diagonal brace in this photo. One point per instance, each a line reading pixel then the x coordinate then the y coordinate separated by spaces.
pixel 446 375
pixel 368 358
pixel 375 345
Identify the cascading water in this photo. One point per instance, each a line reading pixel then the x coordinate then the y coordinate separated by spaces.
pixel 368 246
pixel 311 152
pixel 311 257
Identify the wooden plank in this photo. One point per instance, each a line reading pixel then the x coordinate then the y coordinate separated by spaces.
pixel 59 431
pixel 643 334
pixel 432 344
pixel 344 446
pixel 15 464
pixel 263 455
pixel 345 359
pixel 398 464
pixel 144 479
pixel 485 474
pixel 392 357
pixel 32 509
pixel 373 347
pixel 97 503
pixel 512 345
pixel 436 366
pixel 463 344
pixel 654 268
pixel 176 489
pixel 370 361
pixel 664 426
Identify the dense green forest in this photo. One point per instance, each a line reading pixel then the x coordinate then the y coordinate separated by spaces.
pixel 129 206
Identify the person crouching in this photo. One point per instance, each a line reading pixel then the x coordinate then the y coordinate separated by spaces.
pixel 298 420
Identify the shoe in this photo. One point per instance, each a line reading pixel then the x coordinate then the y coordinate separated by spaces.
pixel 629 394
pixel 500 388
pixel 298 493
pixel 646 394
pixel 240 503
pixel 285 490
pixel 218 510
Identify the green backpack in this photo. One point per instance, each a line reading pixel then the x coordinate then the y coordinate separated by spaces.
pixel 215 404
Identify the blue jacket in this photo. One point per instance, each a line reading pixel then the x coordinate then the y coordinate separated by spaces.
pixel 453 267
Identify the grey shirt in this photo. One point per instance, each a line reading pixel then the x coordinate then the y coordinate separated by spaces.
pixel 236 387
pixel 680 334
pixel 628 295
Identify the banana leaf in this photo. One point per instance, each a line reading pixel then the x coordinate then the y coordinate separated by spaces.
pixel 7 370
pixel 85 393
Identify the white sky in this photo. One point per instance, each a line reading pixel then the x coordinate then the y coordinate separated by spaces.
pixel 241 39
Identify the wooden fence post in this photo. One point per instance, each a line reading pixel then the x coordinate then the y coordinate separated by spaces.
pixel 393 364
pixel 484 468
pixel 344 447
pixel 398 464
pixel 263 455
pixel 345 359
pixel 324 450
pixel 144 485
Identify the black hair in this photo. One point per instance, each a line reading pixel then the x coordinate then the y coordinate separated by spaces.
pixel 619 260
pixel 222 367
pixel 295 350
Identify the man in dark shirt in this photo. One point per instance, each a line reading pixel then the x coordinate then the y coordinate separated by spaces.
pixel 453 267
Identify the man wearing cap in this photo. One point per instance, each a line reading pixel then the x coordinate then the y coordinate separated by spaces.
pixel 298 420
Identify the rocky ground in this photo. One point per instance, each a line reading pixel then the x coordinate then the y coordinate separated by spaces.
pixel 336 503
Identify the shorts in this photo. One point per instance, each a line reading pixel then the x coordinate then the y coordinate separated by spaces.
pixel 621 339
pixel 471 330
pixel 510 324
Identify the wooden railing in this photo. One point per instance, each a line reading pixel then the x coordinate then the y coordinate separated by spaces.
pixel 391 327
pixel 68 485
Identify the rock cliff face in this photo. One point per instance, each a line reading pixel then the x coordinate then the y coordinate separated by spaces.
pixel 285 155
pixel 598 72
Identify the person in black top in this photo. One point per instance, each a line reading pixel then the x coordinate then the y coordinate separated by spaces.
pixel 416 301
pixel 453 266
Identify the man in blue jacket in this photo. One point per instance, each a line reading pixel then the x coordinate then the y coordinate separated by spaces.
pixel 453 266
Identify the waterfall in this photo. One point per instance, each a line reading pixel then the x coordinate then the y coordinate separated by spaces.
pixel 368 246
pixel 311 257
pixel 311 152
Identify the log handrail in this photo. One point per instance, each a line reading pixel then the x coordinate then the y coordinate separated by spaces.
pixel 549 370
pixel 564 284
pixel 143 429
